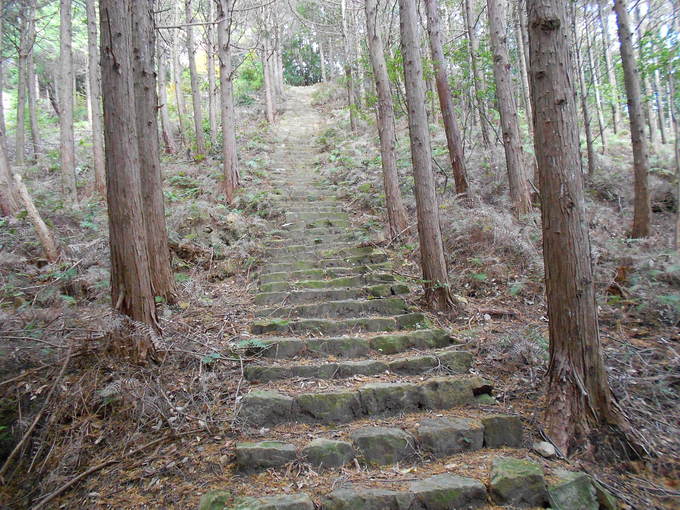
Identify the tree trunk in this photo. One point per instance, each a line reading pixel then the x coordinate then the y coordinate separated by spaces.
pixel 22 80
pixel 519 185
pixel 229 156
pixel 453 138
pixel 578 394
pixel 67 148
pixel 349 77
pixel 590 151
pixel 146 101
pixel 131 292
pixel 195 89
pixel 642 210
pixel 477 77
pixel 166 125
pixel 432 260
pixel 270 112
pixel 3 125
pixel 210 50
pixel 644 81
pixel 396 212
pixel 47 242
pixel 95 98
pixel 659 107
pixel 676 150
pixel 322 59
pixel 522 45
pixel 177 77
pixel 611 72
pixel 30 83
pixel 596 86
pixel 10 202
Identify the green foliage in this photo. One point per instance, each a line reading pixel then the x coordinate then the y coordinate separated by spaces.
pixel 301 62
pixel 249 79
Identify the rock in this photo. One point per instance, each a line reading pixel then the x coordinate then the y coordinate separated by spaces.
pixel 573 491
pixel 446 436
pixel 215 500
pixel 605 498
pixel 336 407
pixel 367 499
pixel 390 344
pixel 343 347
pixel 259 408
pixel 280 348
pixel 544 449
pixel 380 445
pixel 265 373
pixel 379 398
pixel 413 366
pixel 291 502
pixel 485 399
pixel 447 392
pixel 446 492
pixel 328 453
pixel 263 455
pixel 517 483
pixel 413 321
pixel 363 367
pixel 457 362
pixel 502 430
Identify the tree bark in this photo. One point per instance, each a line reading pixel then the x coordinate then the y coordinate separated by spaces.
pixel 611 73
pixel 166 124
pixel 644 81
pixel 590 151
pixel 658 94
pixel 10 202
pixel 270 111
pixel 195 89
pixel 131 292
pixel 578 394
pixel 522 43
pixel 642 209
pixel 322 59
pixel 477 77
pixel 596 86
pixel 146 101
pixel 67 148
pixel 229 156
pixel 518 183
pixel 349 75
pixel 432 260
pixel 177 77
pixel 3 125
pixel 30 82
pixel 210 51
pixel 453 138
pixel 22 80
pixel 95 95
pixel 396 212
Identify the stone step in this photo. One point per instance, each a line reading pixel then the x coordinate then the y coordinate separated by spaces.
pixel 449 361
pixel 338 309
pixel 320 295
pixel 321 274
pixel 326 327
pixel 347 282
pixel 321 250
pixel 331 225
pixel 357 260
pixel 348 347
pixel 428 439
pixel 261 408
pixel 313 233
pixel 279 239
pixel 316 216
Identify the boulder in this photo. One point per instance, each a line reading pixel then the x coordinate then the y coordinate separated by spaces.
pixel 517 482
pixel 263 455
pixel 380 445
pixel 328 453
pixel 446 436
pixel 260 408
pixel 446 492
pixel 502 430
pixel 574 490
pixel 367 499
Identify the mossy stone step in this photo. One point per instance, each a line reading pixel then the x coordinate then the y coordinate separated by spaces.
pixel 439 492
pixel 325 327
pixel 347 347
pixel 518 483
pixel 371 446
pixel 318 248
pixel 315 216
pixel 322 263
pixel 312 234
pixel 284 502
pixel 338 309
pixel 453 362
pixel 320 252
pixel 280 239
pixel 329 224
pixel 345 282
pixel 319 273
pixel 266 408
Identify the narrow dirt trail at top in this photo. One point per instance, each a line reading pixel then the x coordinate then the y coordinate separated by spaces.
pixel 350 388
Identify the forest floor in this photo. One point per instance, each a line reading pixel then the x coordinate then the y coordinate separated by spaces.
pixel 163 435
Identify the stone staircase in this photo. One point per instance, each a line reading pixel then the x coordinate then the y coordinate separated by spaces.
pixel 354 386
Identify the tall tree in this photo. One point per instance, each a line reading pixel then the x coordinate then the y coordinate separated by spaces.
pixel 578 394
pixel 22 82
pixel 512 143
pixel 210 54
pixel 146 101
pixel 432 260
pixel 610 75
pixel 396 212
pixel 590 151
pixel 453 138
pixel 166 124
pixel 177 74
pixel 2 62
pixel 131 291
pixel 477 76
pixel 67 149
pixel 631 76
pixel 229 156
pixel 195 88
pixel 10 202
pixel 348 66
pixel 95 96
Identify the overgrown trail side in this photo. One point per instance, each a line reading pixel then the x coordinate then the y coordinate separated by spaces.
pixel 355 400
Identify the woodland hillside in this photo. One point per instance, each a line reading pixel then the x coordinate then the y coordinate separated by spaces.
pixel 333 254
